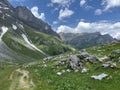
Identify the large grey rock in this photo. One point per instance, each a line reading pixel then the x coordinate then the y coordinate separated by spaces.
pixel 109 64
pixel 74 63
pixel 104 58
pixel 85 54
pixel 99 77
pixel 86 57
pixel 91 59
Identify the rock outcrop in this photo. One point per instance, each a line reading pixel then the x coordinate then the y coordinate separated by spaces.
pixel 26 16
pixel 74 63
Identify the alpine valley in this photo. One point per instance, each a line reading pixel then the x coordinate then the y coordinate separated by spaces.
pixel 34 57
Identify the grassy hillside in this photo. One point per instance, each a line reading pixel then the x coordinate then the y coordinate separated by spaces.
pixel 104 50
pixel 48 44
pixel 43 75
pixel 5 71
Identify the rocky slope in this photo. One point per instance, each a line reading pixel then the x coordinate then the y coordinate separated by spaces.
pixel 85 40
pixel 29 19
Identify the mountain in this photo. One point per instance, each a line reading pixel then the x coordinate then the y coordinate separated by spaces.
pixel 29 19
pixel 20 41
pixel 85 40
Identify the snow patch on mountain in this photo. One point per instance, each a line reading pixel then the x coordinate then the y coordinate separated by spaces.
pixel 20 25
pixel 14 27
pixel 7 15
pixel 29 43
pixel 4 30
pixel 5 8
pixel 2 4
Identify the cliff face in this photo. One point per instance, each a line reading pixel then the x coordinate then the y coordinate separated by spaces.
pixel 25 16
pixel 28 18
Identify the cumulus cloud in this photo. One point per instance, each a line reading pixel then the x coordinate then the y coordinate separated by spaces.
pixel 107 5
pixel 65 29
pixel 62 3
pixel 82 2
pixel 55 22
pixel 98 12
pixel 35 12
pixel 65 13
pixel 110 4
pixel 104 27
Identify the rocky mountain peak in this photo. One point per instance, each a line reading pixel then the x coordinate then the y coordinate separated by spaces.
pixel 5 3
pixel 23 13
pixel 26 16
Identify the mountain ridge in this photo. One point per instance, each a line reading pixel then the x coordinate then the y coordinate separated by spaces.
pixel 26 16
pixel 85 40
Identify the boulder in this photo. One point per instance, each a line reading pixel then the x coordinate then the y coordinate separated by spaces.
pixel 85 54
pixel 99 77
pixel 74 63
pixel 68 70
pixel 59 73
pixel 60 63
pixel 104 58
pixel 119 59
pixel 91 59
pixel 109 64
pixel 47 59
pixel 84 70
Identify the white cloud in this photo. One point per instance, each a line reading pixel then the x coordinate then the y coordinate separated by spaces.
pixel 62 3
pixel 65 13
pixel 35 12
pixel 104 27
pixel 55 22
pixel 110 4
pixel 98 12
pixel 42 16
pixel 65 29
pixel 82 2
pixel 107 5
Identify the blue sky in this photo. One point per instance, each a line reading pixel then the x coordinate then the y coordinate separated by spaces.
pixel 77 15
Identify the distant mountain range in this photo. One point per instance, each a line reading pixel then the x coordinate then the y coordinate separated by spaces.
pixel 85 40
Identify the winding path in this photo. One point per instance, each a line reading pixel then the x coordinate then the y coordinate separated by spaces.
pixel 22 81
